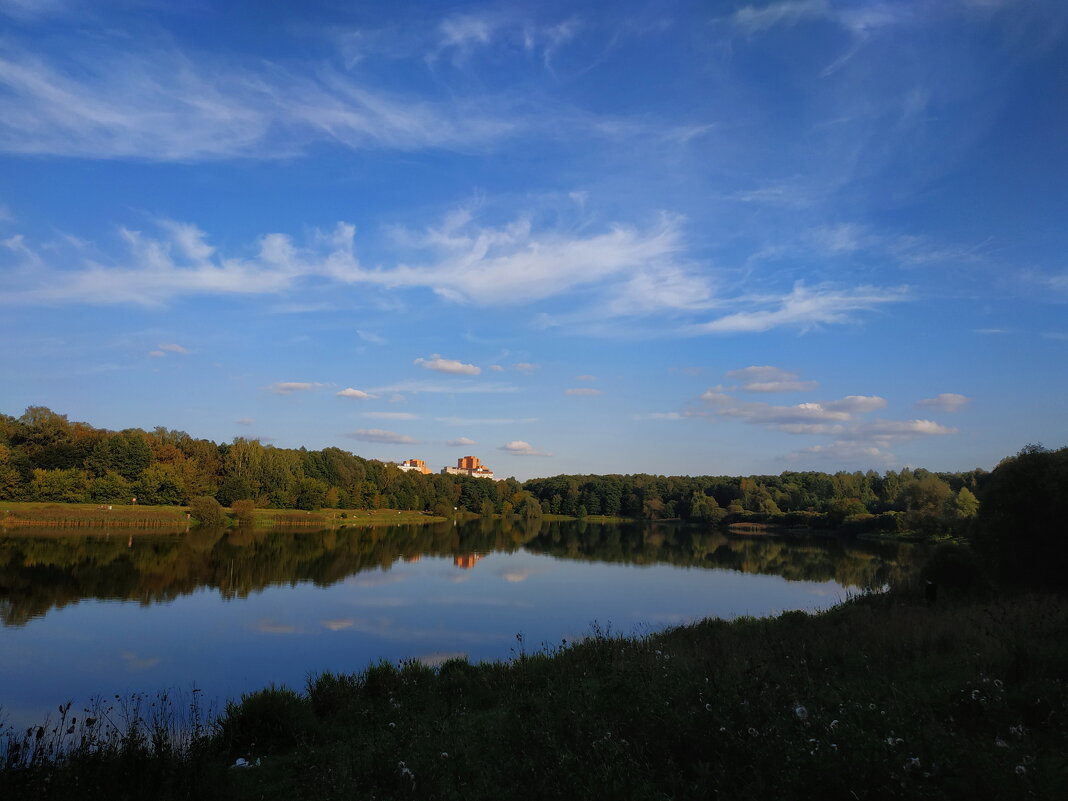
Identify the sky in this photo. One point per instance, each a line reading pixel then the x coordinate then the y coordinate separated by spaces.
pixel 674 238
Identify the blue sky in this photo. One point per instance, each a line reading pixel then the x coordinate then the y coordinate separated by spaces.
pixel 718 237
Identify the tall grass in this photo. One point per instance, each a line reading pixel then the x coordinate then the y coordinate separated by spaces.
pixel 880 697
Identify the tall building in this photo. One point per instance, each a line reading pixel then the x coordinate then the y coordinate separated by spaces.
pixel 414 464
pixel 468 466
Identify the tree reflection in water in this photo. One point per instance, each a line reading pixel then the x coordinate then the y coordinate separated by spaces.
pixel 42 570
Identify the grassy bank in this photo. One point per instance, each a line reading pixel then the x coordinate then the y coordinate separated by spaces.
pixel 880 697
pixel 18 513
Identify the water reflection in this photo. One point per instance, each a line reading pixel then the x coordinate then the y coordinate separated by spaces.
pixel 44 570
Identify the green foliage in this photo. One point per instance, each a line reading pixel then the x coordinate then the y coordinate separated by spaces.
pixel 207 511
pixel 956 568
pixel 1021 519
pixel 266 722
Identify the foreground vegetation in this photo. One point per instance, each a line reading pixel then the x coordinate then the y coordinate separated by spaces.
pixel 880 697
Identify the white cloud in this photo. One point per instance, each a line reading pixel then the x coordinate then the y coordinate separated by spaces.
pixel 244 421
pixel 485 421
pixel 526 367
pixel 461 442
pixel 947 402
pixel 462 34
pixel 156 354
pixel 496 368
pixel 886 430
pixel 586 377
pixel 358 394
pixel 583 391
pixel 853 440
pixel 157 103
pixel 367 336
pixel 381 437
pixel 339 624
pixel 803 308
pixel 268 626
pixel 659 416
pixel 172 348
pixel 289 387
pixel 789 12
pixel 636 273
pixel 445 387
pixel 857 404
pixel 391 415
pixel 770 379
pixel 452 366
pixel 520 448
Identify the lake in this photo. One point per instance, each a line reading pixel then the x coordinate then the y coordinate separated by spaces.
pixel 105 613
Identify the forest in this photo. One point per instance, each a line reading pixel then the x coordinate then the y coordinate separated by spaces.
pixel 46 457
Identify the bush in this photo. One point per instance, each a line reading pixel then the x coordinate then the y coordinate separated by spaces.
pixel 269 721
pixel 244 511
pixel 207 511
pixel 1023 506
pixel 956 568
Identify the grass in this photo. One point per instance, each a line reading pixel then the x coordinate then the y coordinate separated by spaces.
pixel 21 513
pixel 879 697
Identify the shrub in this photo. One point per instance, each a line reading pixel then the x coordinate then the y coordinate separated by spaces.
pixel 244 511
pixel 269 721
pixel 956 568
pixel 207 511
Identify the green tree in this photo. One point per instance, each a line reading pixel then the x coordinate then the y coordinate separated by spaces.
pixel 1021 518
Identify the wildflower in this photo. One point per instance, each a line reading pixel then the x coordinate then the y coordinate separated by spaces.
pixel 753 732
pixel 999 743
pixel 392 725
pixel 975 695
pixel 998 683
pixel 1020 770
pixel 912 762
pixel 708 707
pixel 1017 731
pixel 800 712
pixel 444 755
pixel 833 724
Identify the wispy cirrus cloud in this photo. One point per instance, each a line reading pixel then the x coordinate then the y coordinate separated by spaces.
pixel 391 415
pixel 803 308
pixel 946 402
pixel 290 387
pixel 587 392
pixel 460 442
pixel 377 435
pixel 766 378
pixel 108 99
pixel 484 421
pixel 445 387
pixel 633 272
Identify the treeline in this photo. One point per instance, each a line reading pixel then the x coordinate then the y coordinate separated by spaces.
pixel 45 457
pixel 906 500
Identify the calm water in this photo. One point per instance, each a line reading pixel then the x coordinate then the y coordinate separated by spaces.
pixel 105 613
